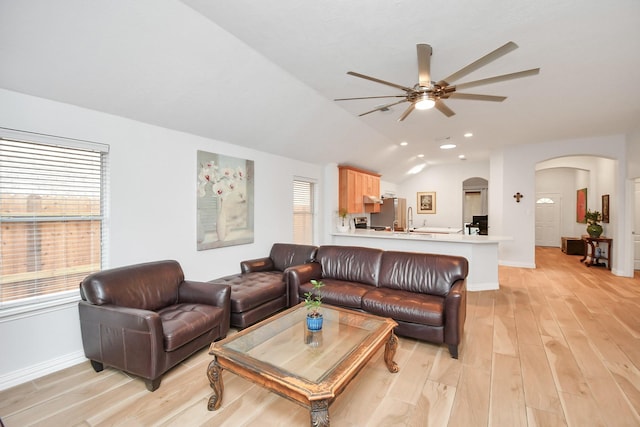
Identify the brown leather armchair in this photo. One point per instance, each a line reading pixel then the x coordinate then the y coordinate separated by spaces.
pixel 144 319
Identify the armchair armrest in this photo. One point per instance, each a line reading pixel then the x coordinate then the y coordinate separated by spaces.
pixel 204 293
pixel 117 336
pixel 215 294
pixel 258 264
pixel 455 311
pixel 121 317
pixel 299 274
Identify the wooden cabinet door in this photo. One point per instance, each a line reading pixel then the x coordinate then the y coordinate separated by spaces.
pixel 353 185
pixel 358 205
pixel 348 191
pixel 372 189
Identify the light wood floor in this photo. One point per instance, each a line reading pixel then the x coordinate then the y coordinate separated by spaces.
pixel 557 345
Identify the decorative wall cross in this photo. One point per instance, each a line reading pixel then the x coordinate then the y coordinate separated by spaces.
pixel 518 196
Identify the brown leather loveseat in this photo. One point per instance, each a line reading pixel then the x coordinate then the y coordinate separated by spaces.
pixel 144 319
pixel 424 293
pixel 260 289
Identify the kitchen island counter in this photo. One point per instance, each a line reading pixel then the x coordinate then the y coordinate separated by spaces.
pixel 480 251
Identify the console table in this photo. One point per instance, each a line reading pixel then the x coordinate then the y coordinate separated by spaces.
pixel 591 254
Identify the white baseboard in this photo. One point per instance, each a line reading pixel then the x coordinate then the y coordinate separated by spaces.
pixel 488 286
pixel 516 264
pixel 29 373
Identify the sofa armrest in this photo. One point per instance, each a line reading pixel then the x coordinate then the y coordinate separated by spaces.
pixel 299 274
pixel 117 336
pixel 455 311
pixel 258 264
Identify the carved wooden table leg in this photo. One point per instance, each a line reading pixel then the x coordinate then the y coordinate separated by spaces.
pixel 389 353
pixel 214 373
pixel 320 413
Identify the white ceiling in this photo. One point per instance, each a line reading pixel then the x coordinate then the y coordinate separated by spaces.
pixel 263 74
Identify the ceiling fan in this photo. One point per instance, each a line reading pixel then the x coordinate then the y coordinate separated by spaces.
pixel 427 93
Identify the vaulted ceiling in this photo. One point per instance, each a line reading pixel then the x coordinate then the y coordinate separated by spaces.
pixel 264 74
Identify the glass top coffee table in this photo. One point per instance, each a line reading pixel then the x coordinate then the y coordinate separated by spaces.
pixel 309 368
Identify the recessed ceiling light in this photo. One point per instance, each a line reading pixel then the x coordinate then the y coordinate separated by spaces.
pixel 421 155
pixel 448 146
pixel 404 143
pixel 468 135
pixel 462 157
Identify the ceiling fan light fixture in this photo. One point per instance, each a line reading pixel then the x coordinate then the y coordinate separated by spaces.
pixel 425 102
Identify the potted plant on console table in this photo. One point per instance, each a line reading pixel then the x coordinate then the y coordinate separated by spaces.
pixel 313 301
pixel 593 229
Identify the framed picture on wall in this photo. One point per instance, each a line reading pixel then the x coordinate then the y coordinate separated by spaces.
pixel 605 208
pixel 581 205
pixel 225 195
pixel 426 203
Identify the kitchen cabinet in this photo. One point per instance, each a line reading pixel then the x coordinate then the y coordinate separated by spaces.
pixel 353 185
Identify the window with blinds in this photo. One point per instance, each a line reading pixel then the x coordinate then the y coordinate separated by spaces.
pixel 52 222
pixel 303 194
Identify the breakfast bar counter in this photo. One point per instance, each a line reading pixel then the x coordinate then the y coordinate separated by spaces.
pixel 480 251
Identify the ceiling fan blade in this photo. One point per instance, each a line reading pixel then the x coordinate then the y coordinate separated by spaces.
pixel 408 111
pixel 373 79
pixel 444 109
pixel 502 78
pixel 475 97
pixel 424 64
pixel 371 97
pixel 382 107
pixel 490 57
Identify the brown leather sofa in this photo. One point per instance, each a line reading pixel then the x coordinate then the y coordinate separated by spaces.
pixel 260 289
pixel 424 293
pixel 144 319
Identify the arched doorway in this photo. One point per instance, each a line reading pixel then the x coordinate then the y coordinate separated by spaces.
pixel 557 182
pixel 474 200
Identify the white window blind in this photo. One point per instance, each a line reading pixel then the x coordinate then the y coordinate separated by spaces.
pixel 303 194
pixel 52 223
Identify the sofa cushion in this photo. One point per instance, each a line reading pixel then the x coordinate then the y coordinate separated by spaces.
pixel 420 272
pixel 350 263
pixel 285 255
pixel 182 323
pixel 250 290
pixel 405 306
pixel 148 286
pixel 339 292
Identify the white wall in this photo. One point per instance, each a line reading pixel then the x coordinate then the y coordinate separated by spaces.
pixel 153 216
pixel 633 155
pixel 446 181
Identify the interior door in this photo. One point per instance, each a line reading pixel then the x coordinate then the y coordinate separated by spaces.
pixel 636 227
pixel 548 208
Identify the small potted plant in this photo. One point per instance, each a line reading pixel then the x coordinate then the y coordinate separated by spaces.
pixel 593 228
pixel 313 301
pixel 343 225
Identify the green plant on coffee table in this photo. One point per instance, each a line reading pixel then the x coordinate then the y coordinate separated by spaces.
pixel 313 299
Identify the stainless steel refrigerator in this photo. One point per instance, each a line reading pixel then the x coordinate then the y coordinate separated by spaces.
pixel 392 209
